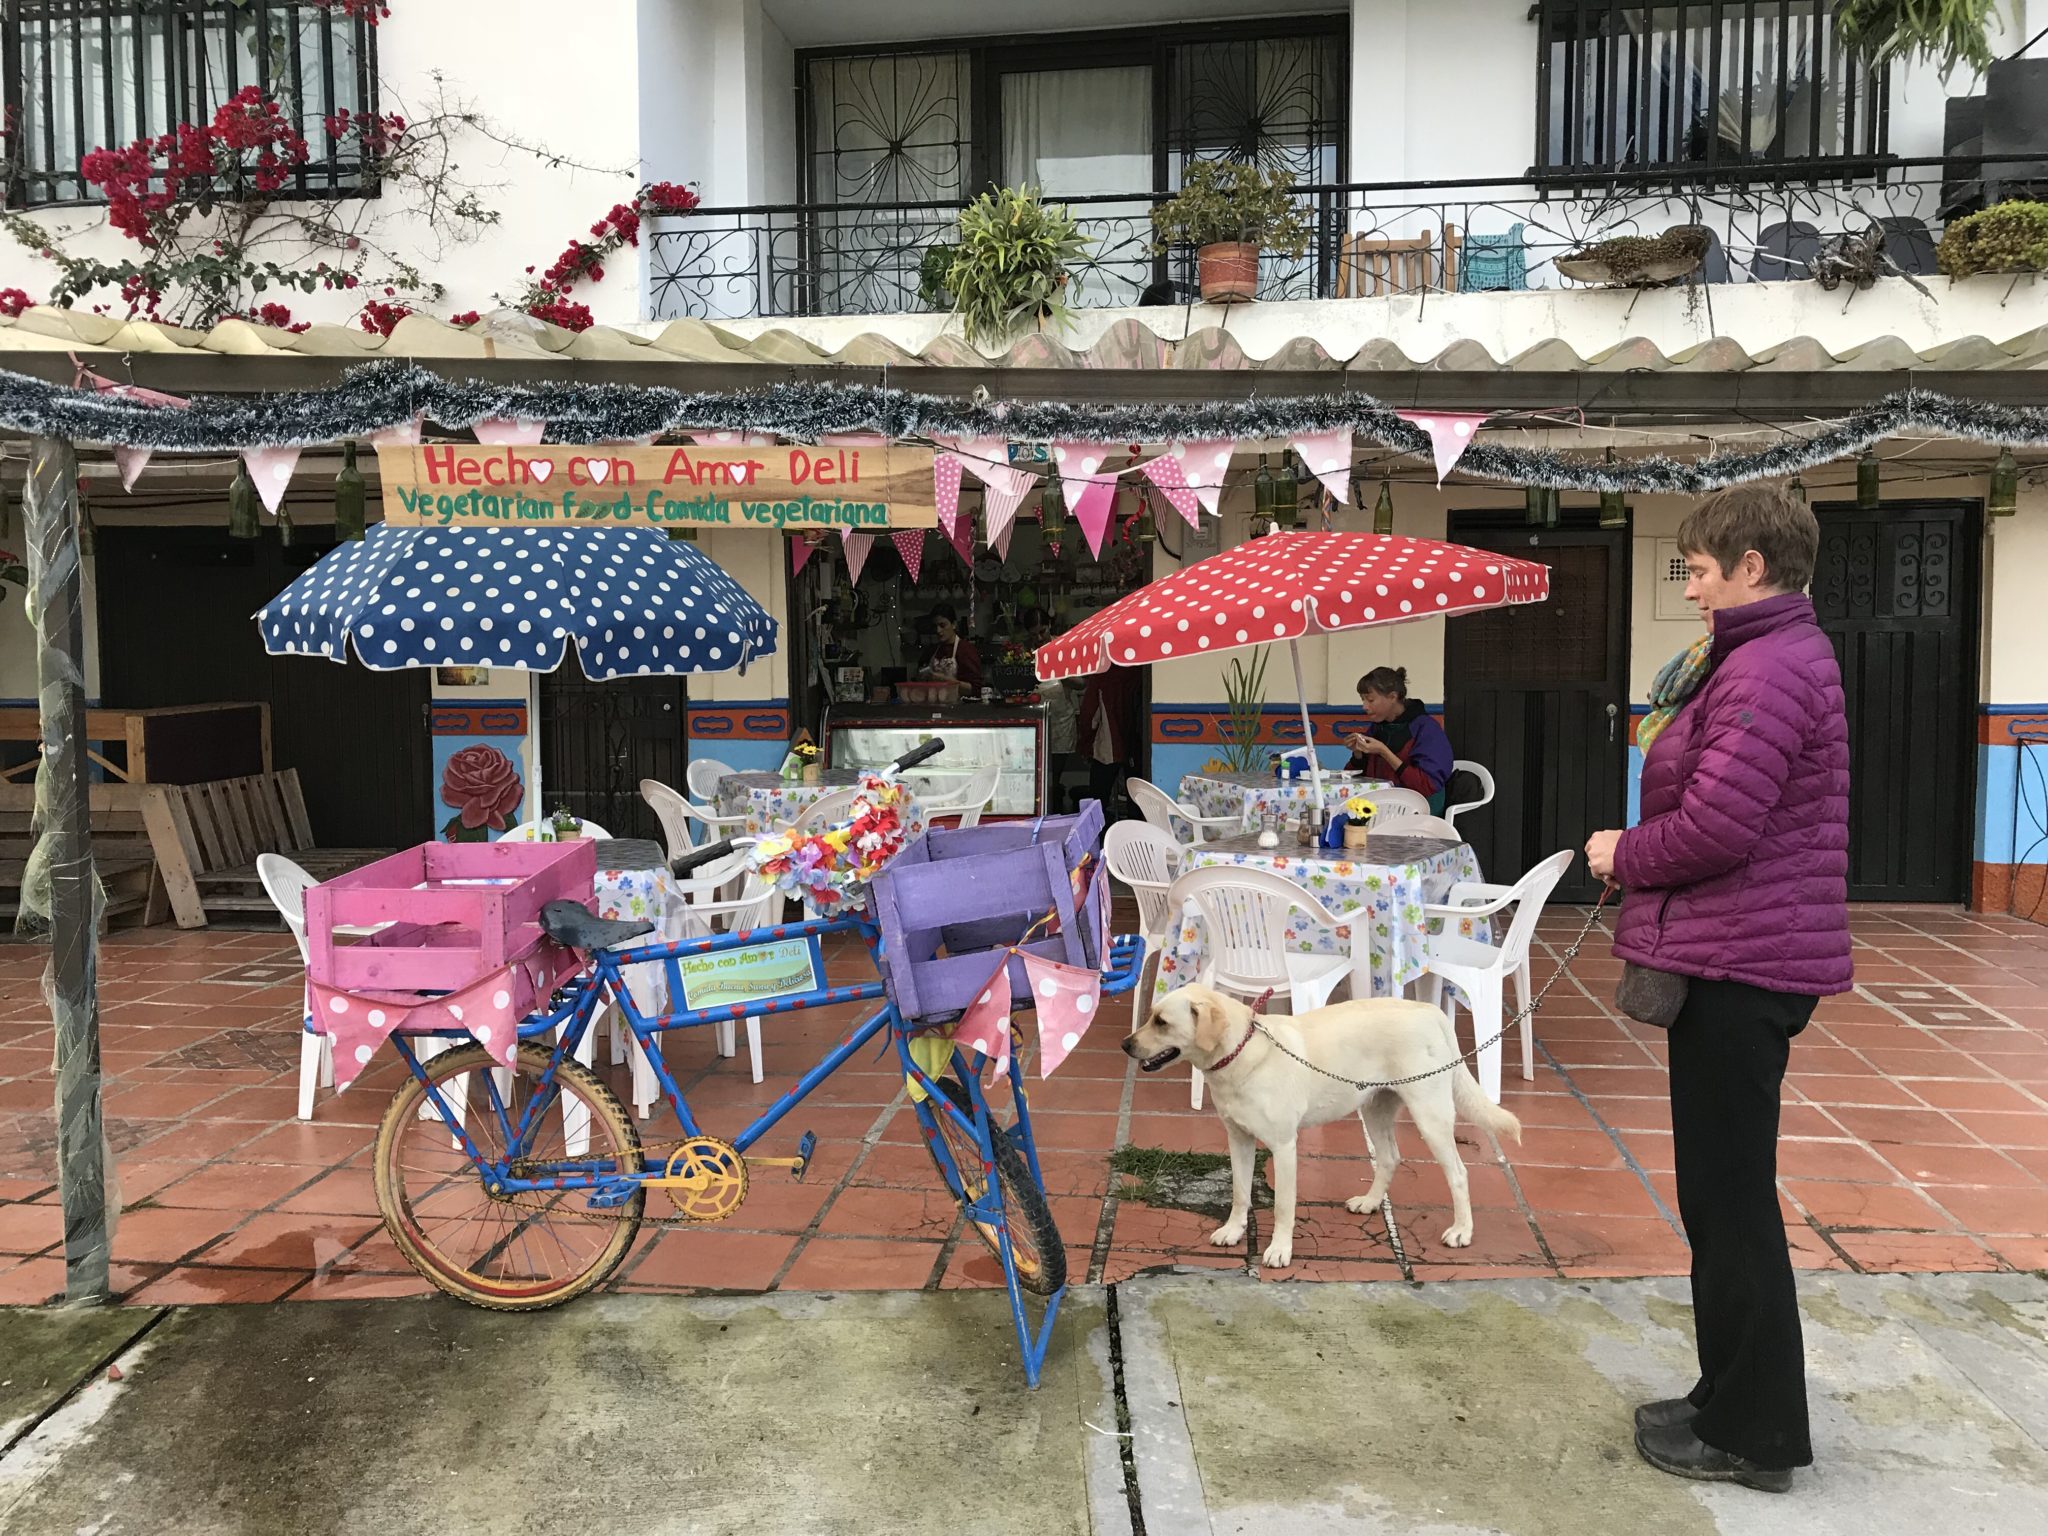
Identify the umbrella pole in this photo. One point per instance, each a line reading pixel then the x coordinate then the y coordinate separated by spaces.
pixel 1315 765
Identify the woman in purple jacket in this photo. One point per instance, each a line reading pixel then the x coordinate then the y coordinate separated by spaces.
pixel 1737 882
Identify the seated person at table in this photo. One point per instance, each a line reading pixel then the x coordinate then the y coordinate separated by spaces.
pixel 954 658
pixel 1404 743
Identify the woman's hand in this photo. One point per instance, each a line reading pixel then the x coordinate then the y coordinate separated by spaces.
pixel 1372 746
pixel 1600 854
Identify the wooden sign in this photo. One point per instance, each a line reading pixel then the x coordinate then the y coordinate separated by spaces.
pixel 793 488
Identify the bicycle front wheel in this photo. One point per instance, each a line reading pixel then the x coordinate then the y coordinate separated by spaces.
pixel 1035 1245
pixel 510 1252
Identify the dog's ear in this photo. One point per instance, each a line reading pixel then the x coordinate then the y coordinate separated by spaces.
pixel 1206 1009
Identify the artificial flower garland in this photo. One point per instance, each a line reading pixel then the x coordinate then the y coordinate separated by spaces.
pixel 831 868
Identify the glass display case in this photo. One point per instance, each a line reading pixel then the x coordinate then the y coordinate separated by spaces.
pixel 1013 739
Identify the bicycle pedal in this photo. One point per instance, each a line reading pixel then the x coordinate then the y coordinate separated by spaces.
pixel 799 1165
pixel 612 1194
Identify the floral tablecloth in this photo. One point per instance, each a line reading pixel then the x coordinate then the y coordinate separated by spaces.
pixel 1250 796
pixel 634 882
pixel 771 802
pixel 1393 881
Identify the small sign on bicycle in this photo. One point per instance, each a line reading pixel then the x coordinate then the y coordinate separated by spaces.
pixel 758 973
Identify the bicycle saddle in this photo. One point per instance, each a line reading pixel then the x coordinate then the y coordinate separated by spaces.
pixel 572 924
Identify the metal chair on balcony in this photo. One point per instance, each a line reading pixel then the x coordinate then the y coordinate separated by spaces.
pixel 1372 266
pixel 1909 244
pixel 1784 251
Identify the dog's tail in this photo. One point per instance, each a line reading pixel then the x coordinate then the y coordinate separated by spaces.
pixel 1476 1109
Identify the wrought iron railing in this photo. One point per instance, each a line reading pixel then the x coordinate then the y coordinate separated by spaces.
pixel 1367 239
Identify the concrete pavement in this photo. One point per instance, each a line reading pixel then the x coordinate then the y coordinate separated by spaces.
pixel 1249 1408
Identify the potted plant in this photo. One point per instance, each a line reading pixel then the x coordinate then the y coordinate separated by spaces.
pixel 2006 237
pixel 1244 687
pixel 1231 213
pixel 1943 32
pixel 932 291
pixel 1639 261
pixel 1010 268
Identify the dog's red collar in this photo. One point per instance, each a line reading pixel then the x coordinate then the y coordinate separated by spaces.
pixel 1237 1050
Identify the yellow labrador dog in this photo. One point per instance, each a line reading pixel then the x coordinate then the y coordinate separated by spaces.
pixel 1263 1095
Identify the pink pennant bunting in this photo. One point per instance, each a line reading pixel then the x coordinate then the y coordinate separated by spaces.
pixel 986 458
pixel 985 1026
pixel 131 462
pixel 800 551
pixel 1066 998
pixel 857 547
pixel 510 432
pixel 1001 504
pixel 734 439
pixel 1000 542
pixel 910 545
pixel 959 529
pixel 1170 475
pixel 946 486
pixel 136 392
pixel 1204 465
pixel 1080 465
pixel 1328 457
pixel 400 434
pixel 852 440
pixel 271 469
pixel 1450 434
pixel 489 1009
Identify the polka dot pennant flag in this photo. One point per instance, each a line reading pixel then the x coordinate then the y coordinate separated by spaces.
pixel 985 1026
pixel 857 546
pixel 1067 999
pixel 489 1010
pixel 734 439
pixel 1450 434
pixel 1080 465
pixel 1204 464
pixel 511 431
pixel 131 462
pixel 1170 475
pixel 959 530
pixel 271 469
pixel 632 601
pixel 1285 585
pixel 399 435
pixel 1328 457
pixel 909 544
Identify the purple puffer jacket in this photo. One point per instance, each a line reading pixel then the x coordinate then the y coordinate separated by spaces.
pixel 1738 868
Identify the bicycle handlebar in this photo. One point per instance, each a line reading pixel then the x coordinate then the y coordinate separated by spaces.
pixel 700 856
pixel 916 755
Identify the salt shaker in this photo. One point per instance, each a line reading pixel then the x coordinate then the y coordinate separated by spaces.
pixel 1269 833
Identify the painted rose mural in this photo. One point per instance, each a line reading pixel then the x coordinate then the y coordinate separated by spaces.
pixel 484 787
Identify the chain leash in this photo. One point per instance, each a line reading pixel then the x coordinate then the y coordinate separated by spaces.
pixel 1535 1003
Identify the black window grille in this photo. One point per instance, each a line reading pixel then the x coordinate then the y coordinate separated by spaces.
pixel 1726 88
pixel 89 74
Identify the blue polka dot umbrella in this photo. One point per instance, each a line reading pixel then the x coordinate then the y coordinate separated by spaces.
pixel 633 601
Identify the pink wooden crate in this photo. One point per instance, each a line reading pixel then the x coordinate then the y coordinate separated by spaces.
pixel 443 935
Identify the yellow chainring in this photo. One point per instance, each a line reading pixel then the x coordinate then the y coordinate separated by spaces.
pixel 705 1178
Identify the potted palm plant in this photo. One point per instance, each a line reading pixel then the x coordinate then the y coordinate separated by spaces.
pixel 1231 213
pixel 1009 270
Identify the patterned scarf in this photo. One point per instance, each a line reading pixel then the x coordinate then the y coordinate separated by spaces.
pixel 1679 679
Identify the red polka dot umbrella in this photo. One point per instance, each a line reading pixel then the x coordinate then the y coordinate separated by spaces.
pixel 1286 585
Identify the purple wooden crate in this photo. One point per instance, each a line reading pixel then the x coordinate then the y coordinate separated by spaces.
pixel 958 894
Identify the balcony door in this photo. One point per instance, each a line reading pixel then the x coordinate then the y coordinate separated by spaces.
pixel 1087 132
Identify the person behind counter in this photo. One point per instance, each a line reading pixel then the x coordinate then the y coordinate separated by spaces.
pixel 1404 743
pixel 954 658
pixel 1062 719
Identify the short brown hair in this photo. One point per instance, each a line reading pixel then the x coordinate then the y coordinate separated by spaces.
pixel 1390 681
pixel 1765 518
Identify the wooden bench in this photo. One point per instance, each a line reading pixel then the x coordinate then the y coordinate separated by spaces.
pixel 120 849
pixel 207 838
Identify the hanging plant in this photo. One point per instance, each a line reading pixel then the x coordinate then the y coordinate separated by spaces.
pixel 1637 261
pixel 1943 32
pixel 1011 266
pixel 2009 237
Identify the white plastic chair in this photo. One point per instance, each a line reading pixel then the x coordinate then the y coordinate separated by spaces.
pixel 673 812
pixel 1170 815
pixel 1480 971
pixel 529 832
pixel 757 906
pixel 1245 914
pixel 701 778
pixel 1392 800
pixel 1148 861
pixel 1409 825
pixel 1485 778
pixel 967 799
pixel 286 884
pixel 827 810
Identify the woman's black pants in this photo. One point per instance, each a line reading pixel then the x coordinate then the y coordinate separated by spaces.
pixel 1729 1047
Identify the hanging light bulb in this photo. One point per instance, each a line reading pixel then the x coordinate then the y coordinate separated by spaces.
pixel 349 497
pixel 1553 507
pixel 1869 480
pixel 1796 488
pixel 243 523
pixel 1383 509
pixel 287 535
pixel 1613 505
pixel 1287 494
pixel 2004 497
pixel 1052 508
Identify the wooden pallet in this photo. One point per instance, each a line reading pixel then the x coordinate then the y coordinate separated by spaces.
pixel 121 851
pixel 208 836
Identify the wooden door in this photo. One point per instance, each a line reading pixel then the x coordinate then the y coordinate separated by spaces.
pixel 1539 695
pixel 599 740
pixel 175 627
pixel 1897 591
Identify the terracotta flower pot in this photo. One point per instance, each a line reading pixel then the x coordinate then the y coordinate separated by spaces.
pixel 1229 272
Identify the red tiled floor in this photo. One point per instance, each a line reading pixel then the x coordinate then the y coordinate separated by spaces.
pixel 1905 1145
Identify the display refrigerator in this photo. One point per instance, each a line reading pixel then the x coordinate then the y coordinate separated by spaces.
pixel 1009 736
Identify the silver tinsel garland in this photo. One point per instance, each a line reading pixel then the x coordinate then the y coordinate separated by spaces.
pixel 380 395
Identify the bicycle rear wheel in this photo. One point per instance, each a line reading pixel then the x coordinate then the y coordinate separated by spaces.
pixel 1035 1245
pixel 514 1252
